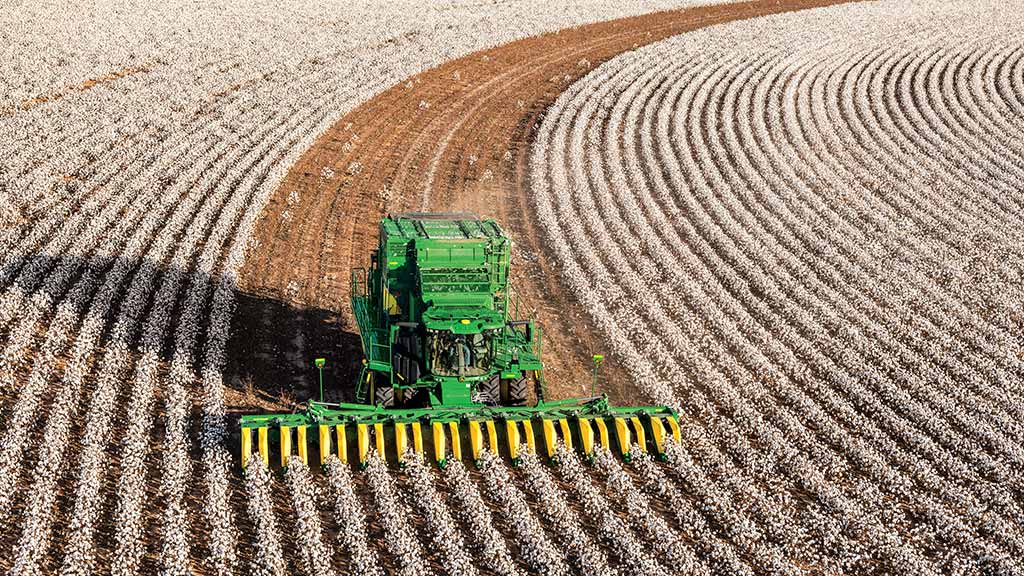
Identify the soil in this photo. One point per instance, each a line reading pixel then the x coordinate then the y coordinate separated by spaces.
pixel 454 138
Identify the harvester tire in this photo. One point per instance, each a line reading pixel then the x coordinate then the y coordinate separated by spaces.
pixel 515 391
pixel 384 396
pixel 489 391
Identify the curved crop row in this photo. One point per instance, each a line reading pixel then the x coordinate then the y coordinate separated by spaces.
pixel 803 230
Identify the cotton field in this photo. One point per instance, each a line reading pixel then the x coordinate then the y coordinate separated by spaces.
pixel 808 232
pixel 796 223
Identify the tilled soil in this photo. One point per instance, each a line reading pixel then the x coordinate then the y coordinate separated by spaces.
pixel 454 138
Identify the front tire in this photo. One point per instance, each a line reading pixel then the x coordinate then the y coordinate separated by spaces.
pixel 513 391
pixel 489 391
pixel 384 396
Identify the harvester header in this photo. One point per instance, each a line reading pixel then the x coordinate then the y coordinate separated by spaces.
pixel 449 362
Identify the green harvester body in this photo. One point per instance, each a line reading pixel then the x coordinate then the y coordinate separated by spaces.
pixel 445 349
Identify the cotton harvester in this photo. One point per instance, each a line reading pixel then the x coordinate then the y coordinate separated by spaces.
pixel 448 361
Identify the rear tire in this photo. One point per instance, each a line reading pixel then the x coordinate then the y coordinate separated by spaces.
pixel 489 391
pixel 514 391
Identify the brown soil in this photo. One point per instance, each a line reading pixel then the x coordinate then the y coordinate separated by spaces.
pixel 453 138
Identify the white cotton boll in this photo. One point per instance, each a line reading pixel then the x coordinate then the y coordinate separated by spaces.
pixel 447 536
pixel 474 513
pixel 268 560
pixel 352 520
pixel 536 549
pixel 314 552
pixel 394 515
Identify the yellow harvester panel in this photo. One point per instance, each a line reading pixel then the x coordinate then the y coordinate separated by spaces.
pixel 476 440
pixel 641 436
pixel 531 441
pixel 438 441
pixel 586 435
pixel 363 440
pixel 325 443
pixel 262 445
pixel 400 442
pixel 549 437
pixel 302 445
pixel 453 428
pixel 674 426
pixel 246 446
pixel 658 431
pixel 342 443
pixel 602 434
pixel 286 445
pixel 492 437
pixel 566 433
pixel 378 430
pixel 622 432
pixel 417 438
pixel 513 438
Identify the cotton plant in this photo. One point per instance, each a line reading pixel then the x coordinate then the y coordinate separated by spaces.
pixel 268 559
pixel 632 552
pixel 351 519
pixel 535 548
pixel 431 504
pixel 581 550
pixel 315 553
pixel 393 513
pixel 474 513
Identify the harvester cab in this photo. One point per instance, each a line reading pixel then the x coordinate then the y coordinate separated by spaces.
pixel 448 361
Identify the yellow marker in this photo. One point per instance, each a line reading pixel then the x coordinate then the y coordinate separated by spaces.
pixel 531 441
pixel 363 440
pixel 566 433
pixel 622 431
pixel 513 438
pixel 586 435
pixel 246 446
pixel 417 438
pixel 286 445
pixel 492 437
pixel 453 427
pixel 674 426
pixel 641 436
pixel 342 443
pixel 602 431
pixel 476 439
pixel 325 443
pixel 400 440
pixel 549 437
pixel 438 441
pixel 658 431
pixel 302 445
pixel 262 445
pixel 378 430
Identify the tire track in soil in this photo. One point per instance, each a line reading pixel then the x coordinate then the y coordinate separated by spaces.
pixel 453 138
